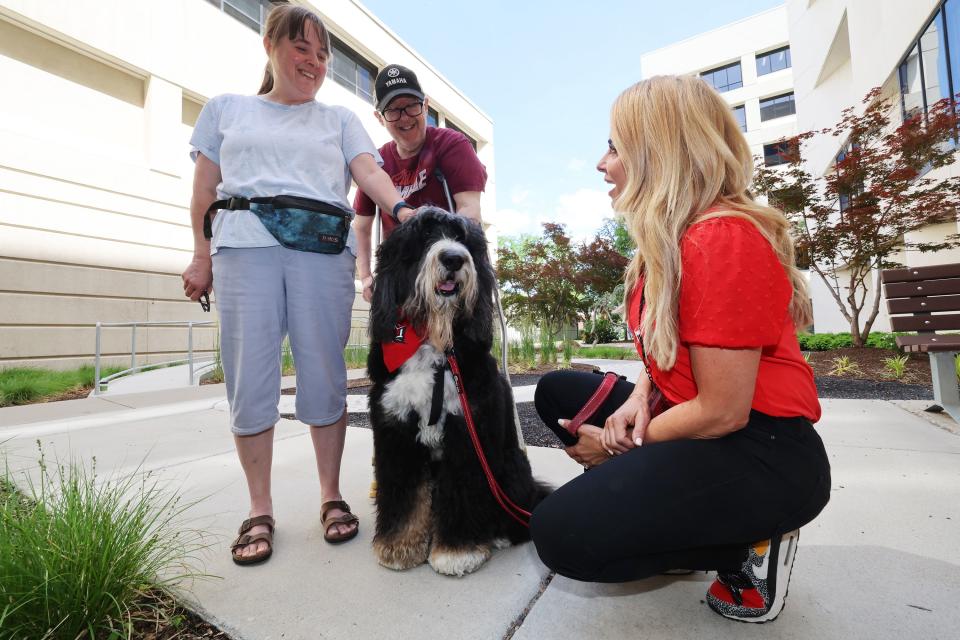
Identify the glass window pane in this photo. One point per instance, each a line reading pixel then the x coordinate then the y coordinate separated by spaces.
pixel 253 23
pixel 775 153
pixel 771 61
pixel 724 78
pixel 740 114
pixel 934 62
pixel 777 107
pixel 911 97
pixel 951 18
pixel 763 65
pixel 433 118
pixel 250 8
pixel 733 74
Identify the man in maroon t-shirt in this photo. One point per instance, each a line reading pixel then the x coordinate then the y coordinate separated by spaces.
pixel 411 160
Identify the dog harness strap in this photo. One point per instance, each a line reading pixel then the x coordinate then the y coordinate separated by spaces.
pixel 520 515
pixel 436 402
pixel 601 394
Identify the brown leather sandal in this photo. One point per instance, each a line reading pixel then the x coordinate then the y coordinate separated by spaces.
pixel 245 539
pixel 346 518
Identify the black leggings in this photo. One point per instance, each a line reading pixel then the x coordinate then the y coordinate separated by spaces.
pixel 683 504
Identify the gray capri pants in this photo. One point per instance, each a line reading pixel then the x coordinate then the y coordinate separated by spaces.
pixel 265 293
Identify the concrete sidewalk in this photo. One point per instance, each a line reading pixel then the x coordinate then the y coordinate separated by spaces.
pixel 882 561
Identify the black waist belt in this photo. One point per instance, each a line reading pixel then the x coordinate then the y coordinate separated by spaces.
pixel 296 223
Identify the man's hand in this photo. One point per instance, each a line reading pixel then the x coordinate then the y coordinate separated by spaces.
pixel 197 278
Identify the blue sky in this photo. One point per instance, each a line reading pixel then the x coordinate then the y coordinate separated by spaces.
pixel 547 73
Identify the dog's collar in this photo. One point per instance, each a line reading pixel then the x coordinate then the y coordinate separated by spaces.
pixel 405 343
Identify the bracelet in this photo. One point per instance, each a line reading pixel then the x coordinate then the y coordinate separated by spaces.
pixel 396 210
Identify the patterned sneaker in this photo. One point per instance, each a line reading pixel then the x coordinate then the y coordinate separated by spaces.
pixel 757 592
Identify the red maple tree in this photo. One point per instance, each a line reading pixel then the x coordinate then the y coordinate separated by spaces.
pixel 852 220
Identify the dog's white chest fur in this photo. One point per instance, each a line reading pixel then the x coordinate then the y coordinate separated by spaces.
pixel 412 390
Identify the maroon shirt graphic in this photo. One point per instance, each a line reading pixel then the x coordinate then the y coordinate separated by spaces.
pixel 445 148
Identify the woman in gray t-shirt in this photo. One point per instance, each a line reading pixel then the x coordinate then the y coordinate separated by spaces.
pixel 282 142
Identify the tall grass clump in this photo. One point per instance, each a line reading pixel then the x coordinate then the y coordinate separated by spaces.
pixel 548 345
pixel 528 348
pixel 78 556
pixel 567 352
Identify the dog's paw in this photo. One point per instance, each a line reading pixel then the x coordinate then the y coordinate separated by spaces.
pixel 401 556
pixel 501 543
pixel 458 562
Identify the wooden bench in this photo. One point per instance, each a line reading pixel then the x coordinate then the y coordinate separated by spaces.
pixel 913 295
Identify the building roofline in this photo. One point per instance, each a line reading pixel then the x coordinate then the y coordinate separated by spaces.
pixel 715 29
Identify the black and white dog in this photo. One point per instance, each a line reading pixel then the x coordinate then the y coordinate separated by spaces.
pixel 434 292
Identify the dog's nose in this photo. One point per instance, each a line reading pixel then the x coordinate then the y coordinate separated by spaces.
pixel 452 261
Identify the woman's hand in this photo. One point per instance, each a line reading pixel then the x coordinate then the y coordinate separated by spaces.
pixel 626 425
pixel 589 450
pixel 197 278
pixel 367 283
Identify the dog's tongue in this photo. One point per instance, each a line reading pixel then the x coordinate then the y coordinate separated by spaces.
pixel 447 286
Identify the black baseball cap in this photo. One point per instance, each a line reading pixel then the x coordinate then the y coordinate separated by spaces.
pixel 395 80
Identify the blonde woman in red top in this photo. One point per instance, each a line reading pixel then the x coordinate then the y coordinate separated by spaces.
pixel 725 467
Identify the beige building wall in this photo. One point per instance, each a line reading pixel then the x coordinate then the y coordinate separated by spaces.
pixel 99 101
pixel 841 50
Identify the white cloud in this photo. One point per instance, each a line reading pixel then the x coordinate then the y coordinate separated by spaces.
pixel 519 196
pixel 582 212
pixel 513 222
pixel 576 164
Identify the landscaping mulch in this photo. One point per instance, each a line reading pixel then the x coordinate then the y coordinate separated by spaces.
pixel 870 365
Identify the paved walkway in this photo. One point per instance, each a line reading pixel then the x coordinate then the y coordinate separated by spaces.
pixel 882 561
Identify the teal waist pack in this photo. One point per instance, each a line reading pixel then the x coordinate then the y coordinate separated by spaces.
pixel 297 223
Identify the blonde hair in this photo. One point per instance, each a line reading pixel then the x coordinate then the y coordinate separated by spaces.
pixel 683 152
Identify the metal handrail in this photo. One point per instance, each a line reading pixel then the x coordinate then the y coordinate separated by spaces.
pixel 190 324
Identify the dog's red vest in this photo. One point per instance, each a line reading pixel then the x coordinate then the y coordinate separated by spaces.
pixel 405 343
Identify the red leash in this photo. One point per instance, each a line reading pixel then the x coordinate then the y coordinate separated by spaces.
pixel 520 515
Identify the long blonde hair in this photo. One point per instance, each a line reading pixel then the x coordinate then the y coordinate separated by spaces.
pixel 683 152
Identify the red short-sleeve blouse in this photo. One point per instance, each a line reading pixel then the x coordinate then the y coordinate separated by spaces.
pixel 734 294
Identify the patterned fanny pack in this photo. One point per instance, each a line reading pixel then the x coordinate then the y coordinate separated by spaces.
pixel 296 223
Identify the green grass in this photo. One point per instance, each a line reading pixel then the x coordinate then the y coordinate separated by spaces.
pixel 25 385
pixel 607 353
pixel 78 556
pixel 356 356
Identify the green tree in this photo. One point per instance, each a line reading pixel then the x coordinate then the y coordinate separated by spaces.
pixel 538 277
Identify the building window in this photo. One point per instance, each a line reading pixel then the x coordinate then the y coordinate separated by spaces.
pixel 776 153
pixel 846 192
pixel 927 73
pixel 777 107
pixel 450 125
pixel 725 78
pixel 775 60
pixel 252 13
pixel 433 118
pixel 352 70
pixel 740 114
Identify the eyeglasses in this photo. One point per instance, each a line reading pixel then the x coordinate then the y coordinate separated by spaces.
pixel 413 110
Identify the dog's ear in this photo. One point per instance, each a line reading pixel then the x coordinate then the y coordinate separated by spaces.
pixel 385 305
pixel 480 327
